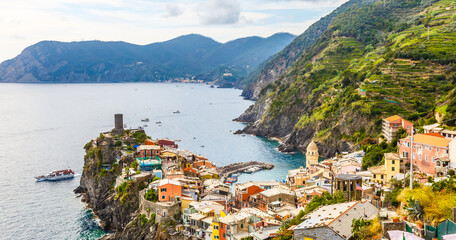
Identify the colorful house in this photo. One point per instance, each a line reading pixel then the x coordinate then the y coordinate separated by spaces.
pixel 149 164
pixel 281 194
pixel 392 124
pixel 426 149
pixel 148 151
pixel 169 190
pixel 383 174
pixel 167 143
pixel 243 193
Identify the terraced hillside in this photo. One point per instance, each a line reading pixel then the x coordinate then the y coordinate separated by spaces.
pixel 392 57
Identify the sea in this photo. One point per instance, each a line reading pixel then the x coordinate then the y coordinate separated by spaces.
pixel 43 127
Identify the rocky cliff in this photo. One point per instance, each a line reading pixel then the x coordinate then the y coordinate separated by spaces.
pixel 372 61
pixel 117 208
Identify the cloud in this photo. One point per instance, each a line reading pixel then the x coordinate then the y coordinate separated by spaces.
pixel 173 10
pixel 219 11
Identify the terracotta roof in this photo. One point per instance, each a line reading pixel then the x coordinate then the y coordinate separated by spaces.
pixel 430 140
pixel 393 118
pixel 377 169
pixel 434 135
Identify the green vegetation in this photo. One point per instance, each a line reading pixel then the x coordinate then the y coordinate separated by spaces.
pixel 324 199
pixel 430 204
pixel 123 191
pixel 139 136
pixel 118 143
pixel 366 228
pixel 134 165
pixel 143 220
pixel 151 195
pixel 373 61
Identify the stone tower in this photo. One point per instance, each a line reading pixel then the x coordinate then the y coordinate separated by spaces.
pixel 118 123
pixel 311 154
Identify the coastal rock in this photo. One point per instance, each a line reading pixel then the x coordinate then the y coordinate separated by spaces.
pixel 97 187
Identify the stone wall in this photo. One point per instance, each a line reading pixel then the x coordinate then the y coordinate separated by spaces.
pixel 163 210
pixel 318 233
pixel 390 226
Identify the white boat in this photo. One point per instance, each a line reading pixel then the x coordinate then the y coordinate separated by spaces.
pixel 145 120
pixel 176 112
pixel 56 176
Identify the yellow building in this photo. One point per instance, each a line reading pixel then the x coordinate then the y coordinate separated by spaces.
pixel 216 225
pixel 312 154
pixel 383 174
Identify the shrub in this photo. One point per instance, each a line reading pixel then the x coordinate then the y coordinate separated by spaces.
pixel 151 195
pixel 118 143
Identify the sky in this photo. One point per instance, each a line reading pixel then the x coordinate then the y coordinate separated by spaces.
pixel 26 22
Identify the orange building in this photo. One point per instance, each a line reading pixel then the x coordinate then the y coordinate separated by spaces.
pixel 148 151
pixel 169 190
pixel 243 193
pixel 203 163
pixel 392 124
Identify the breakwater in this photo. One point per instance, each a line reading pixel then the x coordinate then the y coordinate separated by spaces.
pixel 242 167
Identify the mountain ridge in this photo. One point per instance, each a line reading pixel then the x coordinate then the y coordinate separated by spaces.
pixel 117 61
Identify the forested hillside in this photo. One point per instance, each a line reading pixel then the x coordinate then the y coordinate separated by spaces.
pixel 388 57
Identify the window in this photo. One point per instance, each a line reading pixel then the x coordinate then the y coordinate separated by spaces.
pixel 426 158
pixel 221 225
pixel 381 176
pixel 242 225
pixel 394 162
pixel 414 156
pixel 375 176
pixel 437 149
pixel 408 144
pixel 224 235
pixel 430 148
pixel 163 196
pixel 392 169
pixel 280 199
pixel 419 156
pixel 163 190
pixel 216 237
pixel 215 227
pixel 433 159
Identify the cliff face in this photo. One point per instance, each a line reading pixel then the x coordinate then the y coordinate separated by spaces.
pixel 273 68
pixel 372 61
pixel 97 186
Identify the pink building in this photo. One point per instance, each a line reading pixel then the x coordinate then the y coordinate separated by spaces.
pixel 392 124
pixel 426 149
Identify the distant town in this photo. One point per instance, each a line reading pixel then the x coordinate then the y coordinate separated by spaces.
pixel 330 198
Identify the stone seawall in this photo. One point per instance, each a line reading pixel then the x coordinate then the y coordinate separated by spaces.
pixel 228 170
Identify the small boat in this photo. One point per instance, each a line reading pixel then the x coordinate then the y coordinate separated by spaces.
pixel 212 86
pixel 178 140
pixel 56 176
pixel 145 120
pixel 202 146
pixel 176 112
pixel 145 125
pixel 158 122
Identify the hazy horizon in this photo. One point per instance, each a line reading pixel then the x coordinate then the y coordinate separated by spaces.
pixel 142 22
